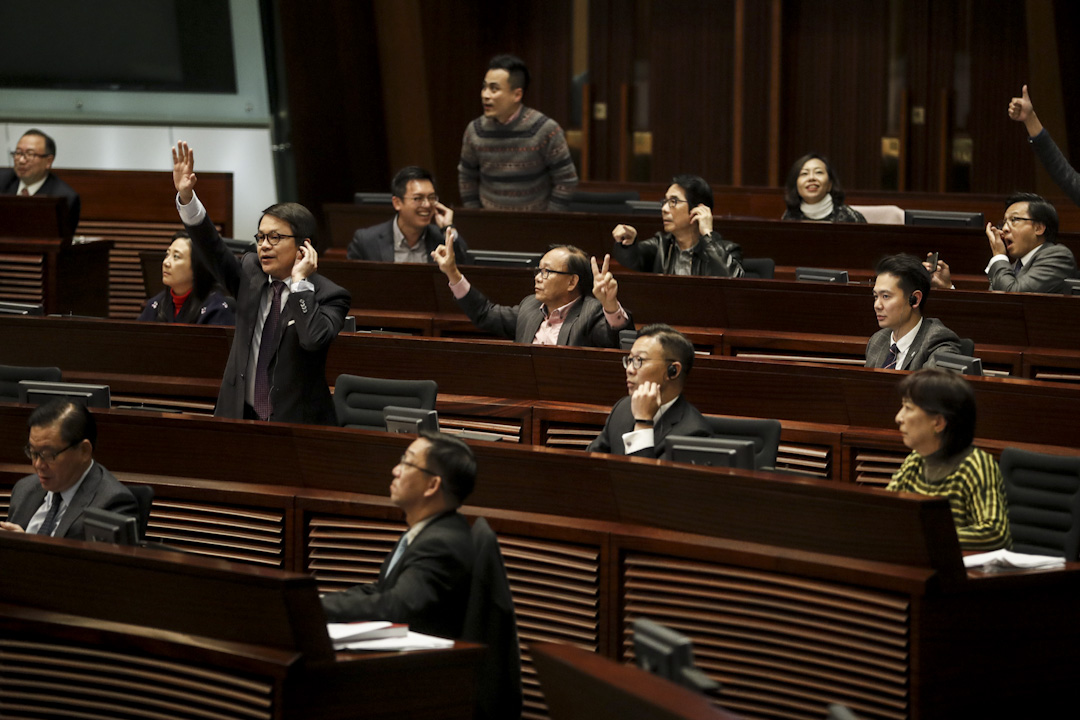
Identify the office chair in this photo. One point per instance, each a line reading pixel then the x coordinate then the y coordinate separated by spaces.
pixel 359 401
pixel 144 496
pixel 10 375
pixel 760 268
pixel 1043 495
pixel 764 433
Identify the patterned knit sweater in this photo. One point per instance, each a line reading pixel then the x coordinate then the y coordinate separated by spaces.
pixel 523 165
pixel 976 495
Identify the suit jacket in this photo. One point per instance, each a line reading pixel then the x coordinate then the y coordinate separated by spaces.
pixel 933 337
pixel 428 588
pixel 53 187
pixel 1046 273
pixel 585 323
pixel 376 243
pixel 681 418
pixel 310 320
pixel 1055 163
pixel 100 489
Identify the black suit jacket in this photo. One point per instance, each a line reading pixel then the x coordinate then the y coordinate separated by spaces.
pixel 310 320
pixel 100 489
pixel 681 418
pixel 428 588
pixel 933 337
pixel 53 187
pixel 376 243
pixel 585 324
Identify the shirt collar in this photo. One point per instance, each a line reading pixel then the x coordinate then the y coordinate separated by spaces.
pixel 400 241
pixel 664 408
pixel 1026 260
pixel 905 342
pixel 32 189
pixel 512 118
pixel 558 314
pixel 68 494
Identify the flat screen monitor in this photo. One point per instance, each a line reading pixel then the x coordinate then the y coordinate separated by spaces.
pixel 110 527
pixel 712 452
pixel 373 198
pixel 1072 286
pixel 14 308
pixel 821 275
pixel 644 207
pixel 38 392
pixel 944 218
pixel 505 258
pixel 409 420
pixel 962 364
pixel 670 655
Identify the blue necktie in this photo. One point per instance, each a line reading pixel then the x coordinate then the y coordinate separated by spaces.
pixel 266 351
pixel 49 525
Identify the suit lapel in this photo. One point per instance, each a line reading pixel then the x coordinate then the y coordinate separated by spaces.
pixel 386 244
pixel 916 344
pixel 30 503
pixel 572 316
pixel 668 421
pixel 83 497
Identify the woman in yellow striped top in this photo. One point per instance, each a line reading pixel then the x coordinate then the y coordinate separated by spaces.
pixel 937 420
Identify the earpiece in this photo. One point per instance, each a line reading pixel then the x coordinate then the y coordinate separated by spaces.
pixel 672 371
pixel 912 300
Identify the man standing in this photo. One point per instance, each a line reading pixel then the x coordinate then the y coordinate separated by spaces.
pixel 514 157
pixel 1025 256
pixel 417 229
pixel 906 340
pixel 32 159
pixel 569 305
pixel 286 314
pixel 657 368
pixel 61 448
pixel 1066 177
pixel 425 581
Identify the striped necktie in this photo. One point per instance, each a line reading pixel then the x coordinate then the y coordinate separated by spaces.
pixel 890 360
pixel 49 525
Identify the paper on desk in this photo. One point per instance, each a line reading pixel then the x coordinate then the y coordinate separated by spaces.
pixel 1008 560
pixel 354 631
pixel 412 641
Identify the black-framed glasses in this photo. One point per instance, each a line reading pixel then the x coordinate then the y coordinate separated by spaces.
pixel 28 154
pixel 406 463
pixel 272 238
pixel 638 360
pixel 1014 220
pixel 673 202
pixel 545 273
pixel 48 456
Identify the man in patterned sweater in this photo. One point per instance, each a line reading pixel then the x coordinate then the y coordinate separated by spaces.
pixel 514 157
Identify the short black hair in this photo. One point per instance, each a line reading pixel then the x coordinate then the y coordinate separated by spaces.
pixel 202 277
pixel 1040 210
pixel 674 343
pixel 299 218
pixel 578 264
pixel 451 459
pixel 50 144
pixel 791 188
pixel 515 66
pixel 76 422
pixel 911 273
pixel 697 190
pixel 400 184
pixel 949 394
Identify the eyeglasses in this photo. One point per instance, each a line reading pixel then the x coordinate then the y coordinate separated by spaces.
pixel 47 456
pixel 421 199
pixel 672 202
pixel 638 360
pixel 406 463
pixel 545 273
pixel 1014 220
pixel 28 154
pixel 272 238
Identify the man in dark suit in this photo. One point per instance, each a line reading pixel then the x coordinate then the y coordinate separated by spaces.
pixel 907 340
pixel 425 580
pixel 31 160
pixel 417 229
pixel 657 368
pixel 569 306
pixel 68 481
pixel 286 314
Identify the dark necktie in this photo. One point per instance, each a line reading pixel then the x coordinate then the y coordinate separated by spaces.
pixel 266 351
pixel 24 192
pixel 49 525
pixel 890 359
pixel 1018 266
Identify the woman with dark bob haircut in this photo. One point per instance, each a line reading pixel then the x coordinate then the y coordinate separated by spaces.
pixel 813 192
pixel 937 420
pixel 190 294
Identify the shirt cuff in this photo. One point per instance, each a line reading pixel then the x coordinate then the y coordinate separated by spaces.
pixel 618 320
pixel 461 289
pixel 192 213
pixel 996 258
pixel 304 285
pixel 637 440
pixel 1033 138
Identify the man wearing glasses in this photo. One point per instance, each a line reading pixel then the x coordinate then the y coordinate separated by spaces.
pixel 417 229
pixel 1025 256
pixel 31 161
pixel 425 579
pixel 656 372
pixel 688 244
pixel 569 306
pixel 61 449
pixel 286 314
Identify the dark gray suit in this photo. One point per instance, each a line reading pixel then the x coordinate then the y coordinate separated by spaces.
pixel 1046 273
pixel 52 187
pixel 933 337
pixel 1055 163
pixel 681 418
pixel 585 323
pixel 428 587
pixel 376 243
pixel 100 489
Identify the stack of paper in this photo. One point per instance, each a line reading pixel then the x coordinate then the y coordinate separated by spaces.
pixel 1008 560
pixel 383 636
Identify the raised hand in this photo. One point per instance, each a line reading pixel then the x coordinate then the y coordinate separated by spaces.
pixel 1021 110
pixel 605 286
pixel 444 216
pixel 645 401
pixel 183 173
pixel 625 234
pixel 997 245
pixel 306 263
pixel 940 276
pixel 444 257
pixel 702 215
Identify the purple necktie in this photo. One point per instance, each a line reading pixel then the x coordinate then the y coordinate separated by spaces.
pixel 266 351
pixel 890 360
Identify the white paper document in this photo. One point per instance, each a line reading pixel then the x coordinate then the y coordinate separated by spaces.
pixel 1009 560
pixel 411 641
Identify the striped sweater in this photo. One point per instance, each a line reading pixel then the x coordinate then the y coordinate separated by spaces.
pixel 523 165
pixel 976 495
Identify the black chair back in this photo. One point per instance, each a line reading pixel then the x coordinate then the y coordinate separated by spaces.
pixel 759 268
pixel 359 401
pixel 1043 494
pixel 764 433
pixel 144 496
pixel 10 375
pixel 602 202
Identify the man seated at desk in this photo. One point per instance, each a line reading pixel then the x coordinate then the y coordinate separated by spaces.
pixel 61 449
pixel 569 306
pixel 906 340
pixel 657 368
pixel 32 160
pixel 425 581
pixel 417 229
